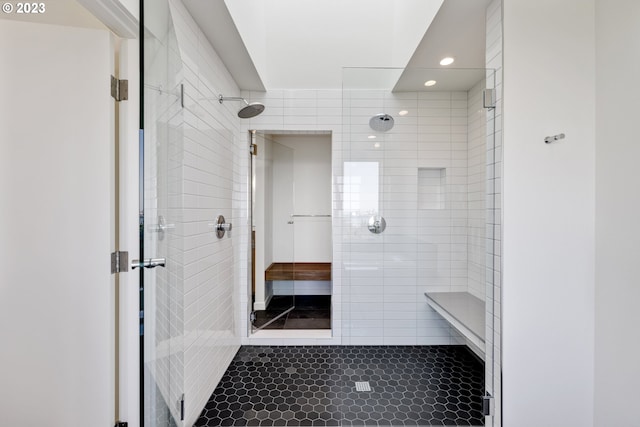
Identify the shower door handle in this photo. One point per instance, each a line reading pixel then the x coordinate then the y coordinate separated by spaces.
pixel 148 263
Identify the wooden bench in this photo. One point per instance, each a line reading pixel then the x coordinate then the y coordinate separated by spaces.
pixel 298 271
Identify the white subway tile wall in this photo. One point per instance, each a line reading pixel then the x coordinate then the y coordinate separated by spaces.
pixel 379 280
pixel 415 176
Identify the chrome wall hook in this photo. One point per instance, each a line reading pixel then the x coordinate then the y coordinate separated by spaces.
pixel 550 139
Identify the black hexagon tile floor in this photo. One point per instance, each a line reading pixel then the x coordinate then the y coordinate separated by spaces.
pixel 316 386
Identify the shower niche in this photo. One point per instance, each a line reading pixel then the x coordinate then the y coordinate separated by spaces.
pixel 431 188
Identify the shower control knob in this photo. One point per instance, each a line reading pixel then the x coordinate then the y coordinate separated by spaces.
pixel 376 224
pixel 221 227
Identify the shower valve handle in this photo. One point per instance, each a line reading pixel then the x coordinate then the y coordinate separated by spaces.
pixel 221 226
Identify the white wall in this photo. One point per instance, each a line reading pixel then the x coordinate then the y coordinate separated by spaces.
pixel 282 191
pixel 549 241
pixel 311 196
pixel 262 216
pixel 617 293
pixel 57 296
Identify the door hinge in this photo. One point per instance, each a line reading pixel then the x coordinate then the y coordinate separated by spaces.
pixel 488 405
pixel 122 424
pixel 489 98
pixel 119 89
pixel 252 317
pixel 119 261
pixel 182 407
pixel 253 149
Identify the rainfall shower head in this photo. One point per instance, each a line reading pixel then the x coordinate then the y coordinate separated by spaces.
pixel 381 122
pixel 246 112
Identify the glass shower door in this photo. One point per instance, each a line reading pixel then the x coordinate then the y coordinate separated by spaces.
pixel 418 217
pixel 160 216
pixel 274 284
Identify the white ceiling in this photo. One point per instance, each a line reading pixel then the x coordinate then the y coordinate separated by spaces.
pixel 458 30
pixel 305 44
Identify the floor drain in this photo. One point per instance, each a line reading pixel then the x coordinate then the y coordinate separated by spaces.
pixel 363 386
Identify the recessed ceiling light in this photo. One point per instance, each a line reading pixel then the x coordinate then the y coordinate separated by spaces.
pixel 376 145
pixel 371 137
pixel 403 113
pixel 430 83
pixel 447 61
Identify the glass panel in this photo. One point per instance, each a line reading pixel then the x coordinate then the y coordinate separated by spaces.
pixel 273 225
pixel 162 355
pixel 418 210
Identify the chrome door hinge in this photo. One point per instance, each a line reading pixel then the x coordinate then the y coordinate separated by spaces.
pixel 182 407
pixel 252 317
pixel 488 405
pixel 119 261
pixel 119 89
pixel 489 98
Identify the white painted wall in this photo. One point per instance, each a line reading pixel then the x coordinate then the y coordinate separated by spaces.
pixel 129 125
pixel 549 240
pixel 57 299
pixel 282 208
pixel 617 293
pixel 311 195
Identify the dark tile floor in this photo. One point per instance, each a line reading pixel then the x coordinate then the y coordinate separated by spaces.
pixel 310 312
pixel 316 386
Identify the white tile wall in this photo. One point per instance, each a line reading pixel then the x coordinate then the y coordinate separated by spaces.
pixel 380 279
pixel 493 371
pixel 424 245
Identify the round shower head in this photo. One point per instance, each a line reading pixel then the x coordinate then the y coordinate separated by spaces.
pixel 246 112
pixel 381 122
pixel 251 110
